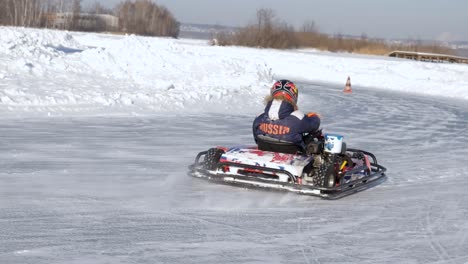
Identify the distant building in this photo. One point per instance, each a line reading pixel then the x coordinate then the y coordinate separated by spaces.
pixel 85 21
pixel 204 31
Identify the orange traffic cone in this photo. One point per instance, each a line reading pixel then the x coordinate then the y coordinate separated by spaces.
pixel 347 88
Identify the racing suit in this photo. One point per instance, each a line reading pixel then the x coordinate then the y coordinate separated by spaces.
pixel 280 121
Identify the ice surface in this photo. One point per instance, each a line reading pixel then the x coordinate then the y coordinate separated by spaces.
pixel 115 189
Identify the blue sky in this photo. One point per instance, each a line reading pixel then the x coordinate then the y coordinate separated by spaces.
pixel 415 19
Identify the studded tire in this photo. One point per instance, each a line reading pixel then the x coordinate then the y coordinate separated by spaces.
pixel 211 160
pixel 326 176
pixel 329 180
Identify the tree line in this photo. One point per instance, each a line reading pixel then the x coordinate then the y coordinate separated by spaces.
pixel 269 31
pixel 141 17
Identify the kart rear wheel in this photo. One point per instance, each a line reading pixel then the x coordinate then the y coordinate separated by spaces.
pixel 211 160
pixel 330 177
pixel 328 172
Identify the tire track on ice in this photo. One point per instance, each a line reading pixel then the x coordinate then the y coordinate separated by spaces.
pixel 431 239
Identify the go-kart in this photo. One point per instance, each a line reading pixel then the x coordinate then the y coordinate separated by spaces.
pixel 324 168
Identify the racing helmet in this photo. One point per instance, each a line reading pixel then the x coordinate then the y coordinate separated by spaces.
pixel 285 89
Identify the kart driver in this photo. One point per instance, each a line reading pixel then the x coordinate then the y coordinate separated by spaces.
pixel 281 120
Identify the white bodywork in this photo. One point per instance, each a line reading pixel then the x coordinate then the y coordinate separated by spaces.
pixel 266 159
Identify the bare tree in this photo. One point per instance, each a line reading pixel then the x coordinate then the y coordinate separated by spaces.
pixel 97 8
pixel 267 31
pixel 75 18
pixel 310 27
pixel 3 12
pixel 144 17
pixel 25 13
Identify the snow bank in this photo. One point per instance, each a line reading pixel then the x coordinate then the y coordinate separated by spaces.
pixel 63 72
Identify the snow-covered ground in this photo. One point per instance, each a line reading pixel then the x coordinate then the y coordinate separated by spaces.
pixel 62 73
pixel 98 131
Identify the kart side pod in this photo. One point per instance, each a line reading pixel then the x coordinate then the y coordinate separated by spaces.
pixel 333 143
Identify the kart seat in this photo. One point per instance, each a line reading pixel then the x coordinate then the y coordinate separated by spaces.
pixel 266 143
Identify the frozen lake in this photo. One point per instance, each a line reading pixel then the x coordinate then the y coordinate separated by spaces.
pixel 116 190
